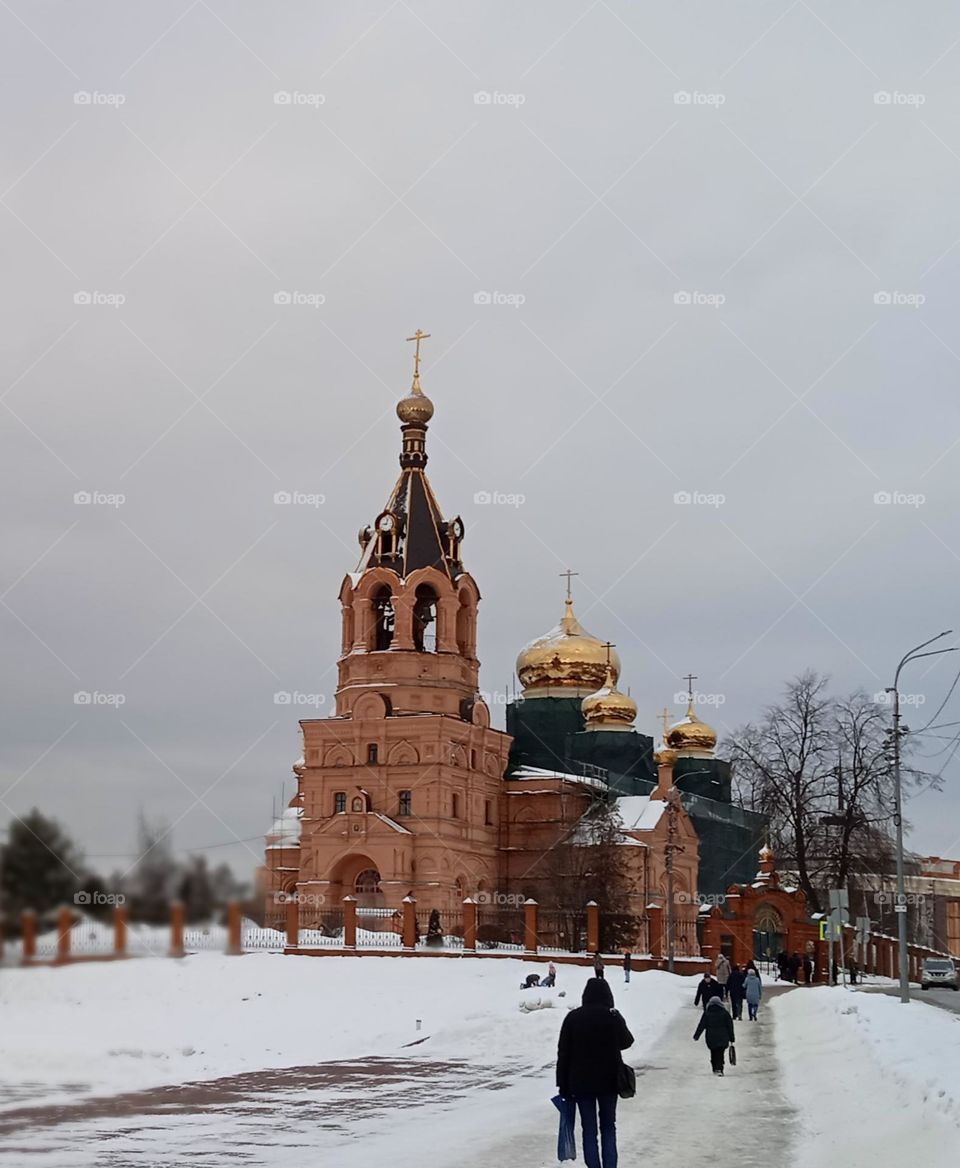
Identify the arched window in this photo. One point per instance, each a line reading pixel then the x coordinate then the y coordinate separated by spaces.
pixel 424 615
pixel 383 618
pixel 458 889
pixel 367 882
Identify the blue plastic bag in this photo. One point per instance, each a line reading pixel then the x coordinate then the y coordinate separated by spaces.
pixel 566 1139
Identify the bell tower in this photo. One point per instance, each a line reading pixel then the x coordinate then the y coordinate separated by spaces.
pixel 401 786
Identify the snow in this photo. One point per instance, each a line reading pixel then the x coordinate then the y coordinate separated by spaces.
pixel 858 1079
pixel 870 1075
pixel 640 812
pixel 125 1025
pixel 531 772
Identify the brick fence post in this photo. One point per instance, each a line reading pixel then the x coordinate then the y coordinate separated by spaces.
pixel 655 930
pixel 350 922
pixel 293 923
pixel 28 933
pixel 176 929
pixel 593 927
pixel 409 922
pixel 234 923
pixel 119 930
pixel 530 940
pixel 64 925
pixel 469 925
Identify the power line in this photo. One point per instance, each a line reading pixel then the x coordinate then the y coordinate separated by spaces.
pixel 942 704
pixel 177 851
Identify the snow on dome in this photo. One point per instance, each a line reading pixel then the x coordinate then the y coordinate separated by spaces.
pixel 285 832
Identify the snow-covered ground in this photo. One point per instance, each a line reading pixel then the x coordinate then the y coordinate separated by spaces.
pixel 105 1029
pixel 143 1023
pixel 874 1081
pixel 322 1060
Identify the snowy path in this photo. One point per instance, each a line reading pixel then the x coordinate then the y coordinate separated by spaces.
pixel 682 1113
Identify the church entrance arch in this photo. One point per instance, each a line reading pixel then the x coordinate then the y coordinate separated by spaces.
pixel 768 933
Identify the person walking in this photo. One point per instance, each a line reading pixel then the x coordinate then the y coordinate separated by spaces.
pixel 723 972
pixel 708 988
pixel 588 1066
pixel 807 969
pixel 735 991
pixel 717 1025
pixel 753 992
pixel 597 965
pixel 627 965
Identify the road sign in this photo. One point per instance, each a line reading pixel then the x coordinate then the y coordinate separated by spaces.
pixel 840 905
pixel 830 930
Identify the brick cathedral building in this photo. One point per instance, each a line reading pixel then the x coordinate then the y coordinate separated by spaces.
pixel 408 789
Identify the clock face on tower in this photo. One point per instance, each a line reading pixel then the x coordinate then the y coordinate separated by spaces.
pixel 386 522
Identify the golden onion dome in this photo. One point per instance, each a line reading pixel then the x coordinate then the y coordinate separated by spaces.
pixel 692 738
pixel 766 853
pixel 416 409
pixel 608 708
pixel 567 662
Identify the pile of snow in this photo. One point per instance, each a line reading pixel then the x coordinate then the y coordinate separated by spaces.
pixel 868 1073
pixel 101 1028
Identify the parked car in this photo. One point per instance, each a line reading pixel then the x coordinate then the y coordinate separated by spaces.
pixel 939 971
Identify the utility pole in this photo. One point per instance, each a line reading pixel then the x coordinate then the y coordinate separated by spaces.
pixel 673 798
pixel 901 903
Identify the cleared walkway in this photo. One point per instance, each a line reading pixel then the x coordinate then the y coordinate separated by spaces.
pixel 683 1114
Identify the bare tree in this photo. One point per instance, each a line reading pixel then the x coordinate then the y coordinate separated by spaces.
pixel 590 863
pixel 781 768
pixel 821 768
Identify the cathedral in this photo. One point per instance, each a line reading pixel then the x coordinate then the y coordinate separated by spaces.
pixel 407 789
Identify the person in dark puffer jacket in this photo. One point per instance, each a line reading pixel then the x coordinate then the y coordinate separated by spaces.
pixel 717 1024
pixel 588 1064
pixel 707 988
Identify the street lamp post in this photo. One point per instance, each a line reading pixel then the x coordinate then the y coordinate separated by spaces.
pixel 901 905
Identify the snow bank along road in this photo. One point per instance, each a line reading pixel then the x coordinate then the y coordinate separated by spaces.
pixel 266 1060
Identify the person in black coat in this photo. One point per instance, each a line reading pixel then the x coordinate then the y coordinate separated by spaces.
pixel 588 1065
pixel 735 991
pixel 708 988
pixel 717 1024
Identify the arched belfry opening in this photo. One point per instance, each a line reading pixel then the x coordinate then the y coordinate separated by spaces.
pixel 425 619
pixel 384 618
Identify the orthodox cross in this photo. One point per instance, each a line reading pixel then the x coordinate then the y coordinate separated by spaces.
pixel 418 336
pixel 690 679
pixel 569 575
pixel 608 645
pixel 664 717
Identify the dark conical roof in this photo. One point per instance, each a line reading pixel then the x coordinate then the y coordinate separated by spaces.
pixel 410 532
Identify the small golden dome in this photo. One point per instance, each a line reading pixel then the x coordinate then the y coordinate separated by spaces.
pixel 416 409
pixel 692 738
pixel 608 708
pixel 567 662
pixel 766 853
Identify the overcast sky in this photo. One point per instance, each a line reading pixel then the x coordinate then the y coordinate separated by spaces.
pixel 660 248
